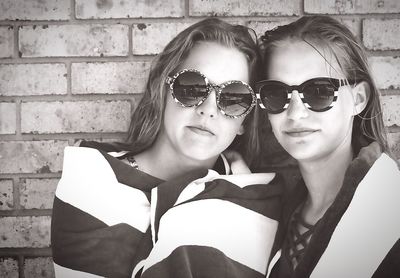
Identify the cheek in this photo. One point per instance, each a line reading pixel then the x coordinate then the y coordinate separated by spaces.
pixel 276 121
pixel 235 126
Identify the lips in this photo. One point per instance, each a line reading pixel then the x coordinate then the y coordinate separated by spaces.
pixel 201 130
pixel 300 132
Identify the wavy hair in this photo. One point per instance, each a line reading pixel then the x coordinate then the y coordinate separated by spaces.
pixel 324 32
pixel 147 118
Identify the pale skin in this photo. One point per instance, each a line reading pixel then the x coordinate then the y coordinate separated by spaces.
pixel 319 141
pixel 181 146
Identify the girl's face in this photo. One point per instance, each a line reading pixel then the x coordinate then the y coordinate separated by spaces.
pixel 202 132
pixel 304 134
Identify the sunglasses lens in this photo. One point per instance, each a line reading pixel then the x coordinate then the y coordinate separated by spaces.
pixel 190 88
pixel 273 97
pixel 235 99
pixel 319 95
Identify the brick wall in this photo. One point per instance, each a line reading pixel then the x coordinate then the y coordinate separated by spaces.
pixel 73 69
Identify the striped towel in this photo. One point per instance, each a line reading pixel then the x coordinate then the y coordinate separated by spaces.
pixel 110 220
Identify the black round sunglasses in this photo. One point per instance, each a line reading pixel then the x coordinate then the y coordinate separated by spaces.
pixel 317 94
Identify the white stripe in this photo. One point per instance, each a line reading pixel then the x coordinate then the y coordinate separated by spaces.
pixel 241 180
pixel 274 260
pixel 195 187
pixel 226 164
pixel 117 154
pixel 89 184
pixel 241 234
pixel 244 180
pixel 63 272
pixel 153 209
pixel 138 267
pixel 368 228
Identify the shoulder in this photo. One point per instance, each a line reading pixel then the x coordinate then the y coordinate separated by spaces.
pixel 81 162
pixel 385 167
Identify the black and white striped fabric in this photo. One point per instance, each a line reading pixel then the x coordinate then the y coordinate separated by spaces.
pixel 110 220
pixel 359 235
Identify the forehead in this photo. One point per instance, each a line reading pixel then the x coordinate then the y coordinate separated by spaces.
pixel 294 62
pixel 218 62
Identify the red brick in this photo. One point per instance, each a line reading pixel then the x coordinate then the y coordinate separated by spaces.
pixel 73 40
pixel 128 9
pixel 33 79
pixel 391 110
pixel 75 116
pixel 151 38
pixel 6 41
pixel 8 118
pixel 37 193
pixel 31 156
pixel 243 8
pixel 34 10
pixel 386 72
pixel 109 78
pixel 25 231
pixel 6 195
pixel 351 6
pixel 394 144
pixel 39 267
pixel 381 34
pixel 9 268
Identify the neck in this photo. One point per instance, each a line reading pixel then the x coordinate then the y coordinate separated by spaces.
pixel 166 164
pixel 323 178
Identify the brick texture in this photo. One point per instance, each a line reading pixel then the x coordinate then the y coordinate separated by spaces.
pixel 391 110
pixel 394 144
pixel 386 71
pixel 75 116
pixel 9 267
pixel 7 118
pixel 25 231
pixel 39 267
pixel 32 79
pixel 37 193
pixel 351 6
pixel 109 78
pixel 73 40
pixel 381 34
pixel 6 41
pixel 31 156
pixel 243 8
pixel 148 39
pixel 76 69
pixel 128 9
pixel 6 195
pixel 34 10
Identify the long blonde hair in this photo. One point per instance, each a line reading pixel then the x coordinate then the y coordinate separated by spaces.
pixel 328 33
pixel 147 118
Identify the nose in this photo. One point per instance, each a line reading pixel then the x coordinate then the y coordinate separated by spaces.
pixel 296 109
pixel 209 107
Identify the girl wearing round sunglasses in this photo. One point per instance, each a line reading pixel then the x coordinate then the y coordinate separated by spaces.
pixel 342 218
pixel 167 215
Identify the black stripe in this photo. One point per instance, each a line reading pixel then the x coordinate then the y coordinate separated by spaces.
pixel 199 261
pixel 81 242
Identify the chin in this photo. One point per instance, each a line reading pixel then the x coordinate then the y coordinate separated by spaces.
pixel 199 155
pixel 302 152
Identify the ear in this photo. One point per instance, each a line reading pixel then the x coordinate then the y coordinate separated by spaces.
pixel 241 130
pixel 361 94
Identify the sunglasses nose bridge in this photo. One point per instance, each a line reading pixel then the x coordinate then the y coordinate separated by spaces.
pixel 297 107
pixel 208 106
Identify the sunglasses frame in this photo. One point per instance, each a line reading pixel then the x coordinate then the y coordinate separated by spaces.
pixel 211 86
pixel 336 83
